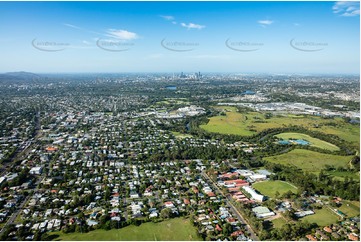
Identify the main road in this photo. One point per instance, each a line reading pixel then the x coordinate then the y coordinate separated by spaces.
pixel 253 235
pixel 20 207
pixel 21 154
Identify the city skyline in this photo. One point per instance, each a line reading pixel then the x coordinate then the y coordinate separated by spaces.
pixel 240 37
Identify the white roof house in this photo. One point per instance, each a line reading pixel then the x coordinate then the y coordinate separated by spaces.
pixel 258 177
pixel 253 193
pixel 262 212
pixel 36 170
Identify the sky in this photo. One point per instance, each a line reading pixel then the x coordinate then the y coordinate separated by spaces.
pixel 237 37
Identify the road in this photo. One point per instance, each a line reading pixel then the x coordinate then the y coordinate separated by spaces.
pixel 20 207
pixel 21 154
pixel 253 235
pixel 15 213
pixel 18 155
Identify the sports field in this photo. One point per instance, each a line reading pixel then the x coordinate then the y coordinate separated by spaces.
pixel 250 123
pixel 322 217
pixel 313 141
pixel 350 208
pixel 174 229
pixel 269 188
pixel 309 160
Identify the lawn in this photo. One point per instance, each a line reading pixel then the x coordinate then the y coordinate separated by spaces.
pixel 232 123
pixel 249 123
pixel 174 229
pixel 269 188
pixel 346 131
pixel 309 160
pixel 226 108
pixel 179 135
pixel 168 101
pixel 278 222
pixel 322 217
pixel 313 141
pixel 341 175
pixel 350 208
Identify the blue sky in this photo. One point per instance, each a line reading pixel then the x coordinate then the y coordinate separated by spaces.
pixel 241 37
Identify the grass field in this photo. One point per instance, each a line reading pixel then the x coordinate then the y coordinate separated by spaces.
pixel 322 217
pixel 246 124
pixel 344 130
pixel 309 160
pixel 313 141
pixel 350 208
pixel 232 123
pixel 181 136
pixel 269 188
pixel 341 175
pixel 168 101
pixel 174 229
pixel 278 222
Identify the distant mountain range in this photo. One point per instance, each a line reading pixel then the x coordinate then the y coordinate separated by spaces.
pixel 20 77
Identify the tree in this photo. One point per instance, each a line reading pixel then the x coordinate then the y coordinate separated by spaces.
pixel 268 115
pixel 193 165
pixel 21 233
pixel 290 214
pixel 37 236
pixel 103 219
pixel 107 225
pixel 166 213
pixel 114 224
pixel 81 216
pixel 227 229
pixel 277 194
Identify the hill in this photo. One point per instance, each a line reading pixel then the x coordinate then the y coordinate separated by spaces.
pixel 20 77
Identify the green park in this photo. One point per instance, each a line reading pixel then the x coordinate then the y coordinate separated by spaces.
pixel 310 161
pixel 270 188
pixel 250 123
pixel 314 142
pixel 166 230
pixel 322 217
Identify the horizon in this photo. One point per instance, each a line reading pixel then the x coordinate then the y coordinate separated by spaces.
pixel 291 38
pixel 186 72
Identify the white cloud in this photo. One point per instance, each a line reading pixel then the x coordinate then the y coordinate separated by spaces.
pixel 346 9
pixel 167 17
pixel 72 26
pixel 352 14
pixel 192 26
pixel 264 23
pixel 121 34
pixel 188 26
pixel 82 29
